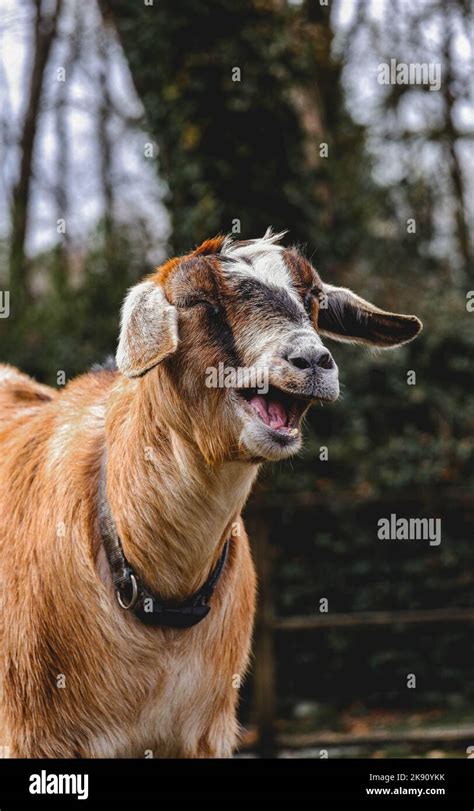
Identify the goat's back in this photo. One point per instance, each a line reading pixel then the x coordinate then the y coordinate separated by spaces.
pixel 20 395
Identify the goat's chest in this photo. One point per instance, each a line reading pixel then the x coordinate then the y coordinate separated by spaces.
pixel 192 692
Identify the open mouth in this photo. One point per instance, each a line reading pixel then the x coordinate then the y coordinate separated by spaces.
pixel 279 411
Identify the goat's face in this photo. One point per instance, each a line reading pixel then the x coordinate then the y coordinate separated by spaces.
pixel 238 327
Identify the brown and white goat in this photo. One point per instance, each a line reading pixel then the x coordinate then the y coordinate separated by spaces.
pixel 81 676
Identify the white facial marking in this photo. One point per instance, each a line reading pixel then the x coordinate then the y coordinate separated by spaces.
pixel 259 259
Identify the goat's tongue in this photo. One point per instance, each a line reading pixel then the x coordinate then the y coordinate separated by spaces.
pixel 271 412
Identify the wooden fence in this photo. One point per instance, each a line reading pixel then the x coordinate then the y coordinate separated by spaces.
pixel 269 741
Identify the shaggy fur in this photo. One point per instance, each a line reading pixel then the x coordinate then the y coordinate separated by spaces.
pixel 78 675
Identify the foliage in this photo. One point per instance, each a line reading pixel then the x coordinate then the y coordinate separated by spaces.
pixel 74 323
pixel 393 448
pixel 236 149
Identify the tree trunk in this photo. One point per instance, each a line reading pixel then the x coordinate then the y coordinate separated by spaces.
pixel 44 33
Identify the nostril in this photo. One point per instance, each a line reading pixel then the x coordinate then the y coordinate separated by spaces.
pixel 325 361
pixel 312 359
pixel 300 362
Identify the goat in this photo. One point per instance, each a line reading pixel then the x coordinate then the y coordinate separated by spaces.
pixel 121 496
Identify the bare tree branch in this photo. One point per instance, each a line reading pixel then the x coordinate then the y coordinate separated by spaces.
pixel 44 34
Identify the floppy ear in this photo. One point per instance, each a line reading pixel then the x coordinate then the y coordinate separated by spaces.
pixel 347 317
pixel 149 330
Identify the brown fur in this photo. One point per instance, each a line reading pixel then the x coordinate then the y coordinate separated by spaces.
pixel 63 617
pixel 78 675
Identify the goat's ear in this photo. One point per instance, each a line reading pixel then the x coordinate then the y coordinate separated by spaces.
pixel 347 317
pixel 149 331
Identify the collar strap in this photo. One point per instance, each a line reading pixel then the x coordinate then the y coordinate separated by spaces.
pixel 132 595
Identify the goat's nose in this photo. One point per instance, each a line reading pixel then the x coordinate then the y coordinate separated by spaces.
pixel 314 358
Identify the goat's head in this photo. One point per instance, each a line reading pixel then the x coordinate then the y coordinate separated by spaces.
pixel 234 332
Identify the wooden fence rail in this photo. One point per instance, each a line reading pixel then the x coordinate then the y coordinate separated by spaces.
pixel 268 741
pixel 373 618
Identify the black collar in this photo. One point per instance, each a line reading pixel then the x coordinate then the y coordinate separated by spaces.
pixel 132 594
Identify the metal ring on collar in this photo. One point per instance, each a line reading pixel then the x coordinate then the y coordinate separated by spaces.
pixel 134 595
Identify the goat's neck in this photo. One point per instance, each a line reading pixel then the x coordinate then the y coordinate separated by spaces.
pixel 172 509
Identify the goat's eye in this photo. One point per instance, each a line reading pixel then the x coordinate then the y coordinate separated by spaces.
pixel 308 302
pixel 194 302
pixel 309 298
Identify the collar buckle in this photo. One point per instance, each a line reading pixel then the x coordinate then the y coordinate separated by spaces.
pixel 134 597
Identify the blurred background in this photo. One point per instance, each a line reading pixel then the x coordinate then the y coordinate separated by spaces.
pixel 131 131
